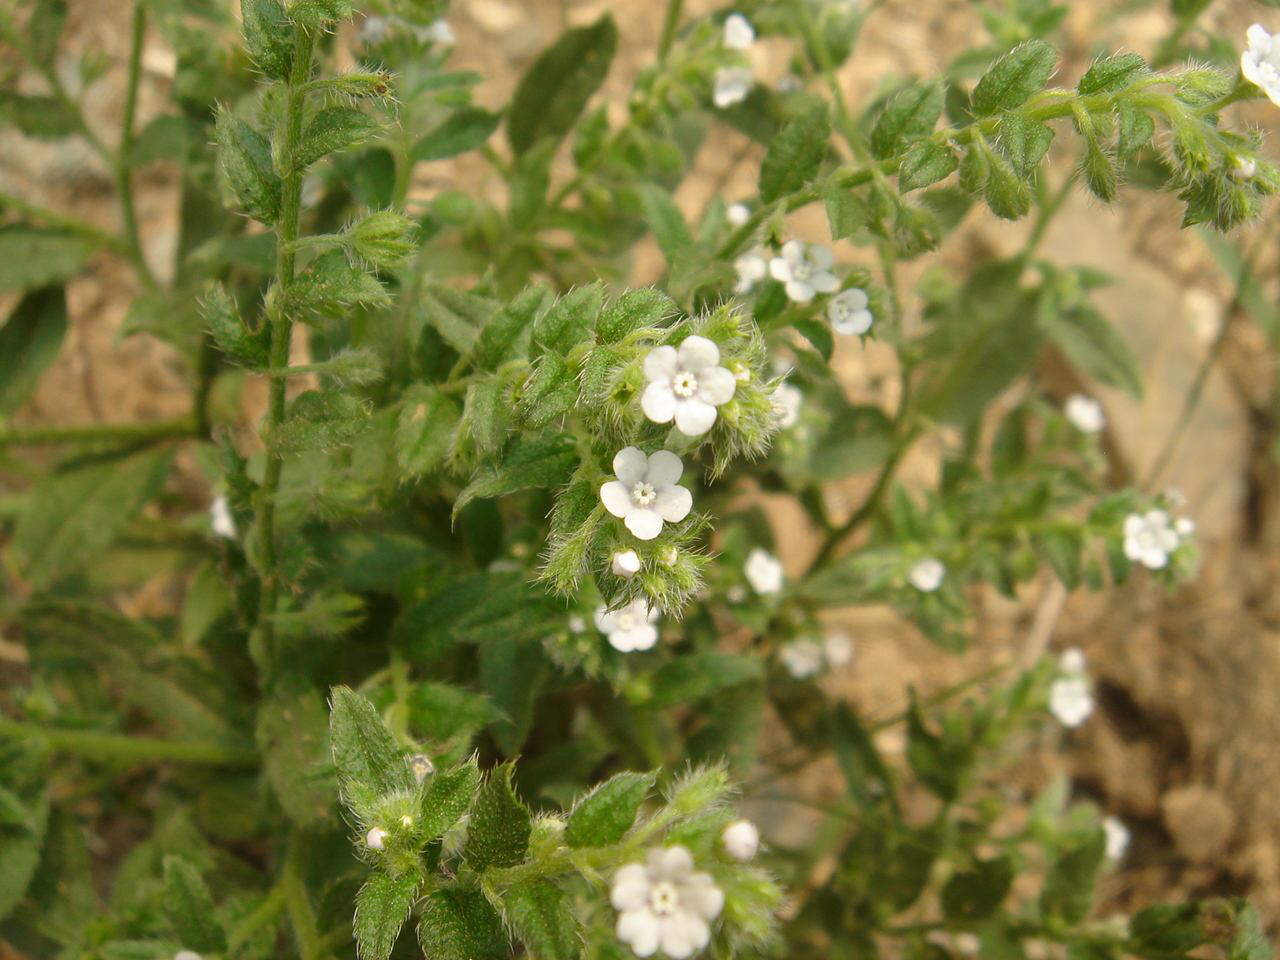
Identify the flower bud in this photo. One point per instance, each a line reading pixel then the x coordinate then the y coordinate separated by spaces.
pixel 421 766
pixel 406 821
pixel 741 840
pixel 376 838
pixel 626 563
pixel 1244 168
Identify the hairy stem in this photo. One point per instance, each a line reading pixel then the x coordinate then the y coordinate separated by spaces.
pixel 98 433
pixel 122 161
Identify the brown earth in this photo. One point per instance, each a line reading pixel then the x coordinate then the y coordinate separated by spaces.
pixel 1184 749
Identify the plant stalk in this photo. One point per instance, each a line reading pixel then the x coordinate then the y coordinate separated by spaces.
pixel 118 747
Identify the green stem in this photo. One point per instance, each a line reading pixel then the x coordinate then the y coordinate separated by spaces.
pixel 670 24
pixel 122 161
pixel 98 433
pixel 64 222
pixel 302 916
pixel 262 915
pixel 262 645
pixel 118 747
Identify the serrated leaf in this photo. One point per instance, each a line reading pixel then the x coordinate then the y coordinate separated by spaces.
pixel 570 321
pixel 1014 78
pixel 332 283
pixel 506 334
pixel 540 915
pixel 320 420
pixel 368 761
pixel 647 307
pixel 546 461
pixel 33 257
pixel 425 429
pixel 461 925
pixel 910 115
pixel 466 129
pixel 72 517
pixel 499 829
pixel 924 165
pixel 447 798
pixel 666 221
pixel 549 392
pixel 554 90
pixel 29 341
pixel 486 417
pixel 458 316
pixel 1024 142
pixel 795 155
pixel 695 677
pixel 245 156
pixel 293 738
pixel 382 906
pixel 603 816
pixel 1109 74
pixel 333 129
pixel 190 907
pixel 268 36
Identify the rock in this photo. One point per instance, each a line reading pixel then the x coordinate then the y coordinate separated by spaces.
pixel 1200 821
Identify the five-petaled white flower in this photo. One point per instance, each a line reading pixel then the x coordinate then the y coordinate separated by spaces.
pixel 802 658
pixel 838 648
pixel 220 518
pixel 848 312
pixel 1070 695
pixel 737 214
pixel 804 270
pixel 763 571
pixel 686 385
pixel 664 905
pixel 926 575
pixel 645 493
pixel 787 401
pixel 751 267
pixel 1085 413
pixel 1260 63
pixel 628 628
pixel 625 563
pixel 376 838
pixel 738 32
pixel 1117 837
pixel 741 840
pixel 732 86
pixel 1149 538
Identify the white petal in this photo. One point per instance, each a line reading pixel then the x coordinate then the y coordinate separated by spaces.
pixel 780 270
pixel 644 637
pixel 701 895
pixel 664 469
pixel 629 465
pixel 694 418
pixel 825 282
pixel 680 934
pixel 675 864
pixel 604 620
pixel 673 503
pixel 716 386
pixel 640 930
pixel 616 498
pixel 661 363
pixel 852 300
pixel 622 640
pixel 1259 40
pixel 644 524
pixel 1133 525
pixel 697 353
pixel 793 252
pixel 658 402
pixel 630 887
pixel 853 324
pixel 799 292
pixel 738 32
pixel 821 257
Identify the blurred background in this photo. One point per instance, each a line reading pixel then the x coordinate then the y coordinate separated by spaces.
pixel 1183 747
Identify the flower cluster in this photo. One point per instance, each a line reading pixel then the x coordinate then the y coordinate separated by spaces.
pixel 1151 538
pixel 1071 694
pixel 805 657
pixel 733 82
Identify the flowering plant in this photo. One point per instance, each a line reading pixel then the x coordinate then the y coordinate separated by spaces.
pixel 478 631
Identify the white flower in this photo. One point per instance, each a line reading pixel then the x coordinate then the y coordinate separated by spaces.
pixel 838 647
pixel 376 838
pixel 220 519
pixel 1071 699
pixel 802 658
pixel 848 312
pixel 741 840
pixel 664 905
pixel 1071 661
pixel 764 572
pixel 373 30
pixel 686 385
pixel 751 267
pixel 645 493
pixel 628 628
pixel 1085 413
pixel 738 32
pixel 1184 526
pixel 576 623
pixel 1149 538
pixel 439 32
pixel 1260 63
pixel 421 766
pixel 804 270
pixel 732 86
pixel 787 401
pixel 927 574
pixel 625 563
pixel 737 214
pixel 186 955
pixel 1117 837
pixel 1244 169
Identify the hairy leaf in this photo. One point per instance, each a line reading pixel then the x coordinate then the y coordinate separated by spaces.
pixel 795 154
pixel 29 342
pixel 1014 78
pixel 909 116
pixel 498 834
pixel 603 816
pixel 382 906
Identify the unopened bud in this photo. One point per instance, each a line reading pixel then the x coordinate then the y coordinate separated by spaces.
pixel 626 563
pixel 376 838
pixel 421 766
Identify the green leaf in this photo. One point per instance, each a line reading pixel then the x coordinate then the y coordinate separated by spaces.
pixel 1094 346
pixel 939 765
pixel 1134 129
pixel 1007 194
pixel 293 737
pixel 545 461
pixel 498 833
pixel 486 416
pixel 320 420
pixel 603 816
pixel 382 906
pixel 1068 886
pixel 32 257
pixel 447 798
pixel 647 307
pixel 73 516
pixel 190 907
pixel 465 129
pixel 555 89
pixel 440 712
pixel 20 851
pixel 795 154
pixel 973 894
pixel 865 773
pixel 458 316
pixel 222 319
pixel 318 13
pixel 44 29
pixel 511 672
pixel 369 762
pixel 666 222
pixel 333 129
pixel 846 212
pixel 332 284
pixel 268 36
pixel 695 677
pixel 924 165
pixel 1014 78
pixel 1024 142
pixel 29 342
pixel 540 915
pixel 909 116
pixel 38 116
pixel 245 156
pixel 425 429
pixel 1109 74
pixel 506 334
pixel 461 925
pixel 549 392
pixel 570 321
